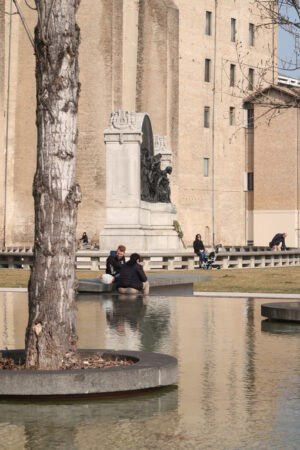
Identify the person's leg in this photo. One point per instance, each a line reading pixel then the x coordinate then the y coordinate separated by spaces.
pixel 203 257
pixel 146 287
pixel 200 260
pixel 128 290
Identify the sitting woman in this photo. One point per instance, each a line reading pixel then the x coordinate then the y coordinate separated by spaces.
pixel 132 278
pixel 199 249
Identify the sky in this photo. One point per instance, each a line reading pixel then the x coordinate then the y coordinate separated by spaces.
pixel 286 46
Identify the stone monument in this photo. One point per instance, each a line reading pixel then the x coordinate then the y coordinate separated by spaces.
pixel 139 212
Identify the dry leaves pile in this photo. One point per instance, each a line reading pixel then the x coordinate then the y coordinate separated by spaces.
pixel 74 362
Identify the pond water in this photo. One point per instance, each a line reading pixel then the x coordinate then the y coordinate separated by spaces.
pixel 239 378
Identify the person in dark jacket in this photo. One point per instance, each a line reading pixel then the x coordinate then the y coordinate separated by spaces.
pixel 199 249
pixel 115 261
pixel 84 239
pixel 132 277
pixel 278 239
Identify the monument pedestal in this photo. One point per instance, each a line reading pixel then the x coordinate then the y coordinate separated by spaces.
pixel 137 224
pixel 146 228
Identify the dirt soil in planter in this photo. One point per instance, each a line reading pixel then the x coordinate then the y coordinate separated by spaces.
pixel 72 362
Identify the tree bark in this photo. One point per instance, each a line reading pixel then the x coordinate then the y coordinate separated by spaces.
pixel 51 330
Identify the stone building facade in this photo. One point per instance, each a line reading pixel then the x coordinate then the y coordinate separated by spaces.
pixel 273 163
pixel 187 64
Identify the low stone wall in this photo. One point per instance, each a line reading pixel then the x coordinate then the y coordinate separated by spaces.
pixel 228 258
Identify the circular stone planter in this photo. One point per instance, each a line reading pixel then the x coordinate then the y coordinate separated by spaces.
pixel 282 311
pixel 150 370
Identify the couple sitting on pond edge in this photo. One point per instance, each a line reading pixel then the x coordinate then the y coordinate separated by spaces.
pixel 129 276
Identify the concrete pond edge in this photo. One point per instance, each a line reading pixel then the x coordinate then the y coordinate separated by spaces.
pixel 288 311
pixel 150 370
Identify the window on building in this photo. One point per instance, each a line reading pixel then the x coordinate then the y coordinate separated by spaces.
pixel 250 118
pixel 232 115
pixel 206 116
pixel 233 30
pixel 251 79
pixel 250 181
pixel 251 34
pixel 208 23
pixel 205 166
pixel 232 75
pixel 207 70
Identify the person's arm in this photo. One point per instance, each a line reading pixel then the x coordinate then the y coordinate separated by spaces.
pixel 283 246
pixel 195 246
pixel 108 266
pixel 141 274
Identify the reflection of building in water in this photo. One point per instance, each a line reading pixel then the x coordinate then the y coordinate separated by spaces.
pixel 236 382
pixel 91 324
pixel 233 371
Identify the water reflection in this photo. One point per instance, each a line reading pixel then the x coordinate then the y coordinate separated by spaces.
pixel 58 423
pixel 239 378
pixel 280 327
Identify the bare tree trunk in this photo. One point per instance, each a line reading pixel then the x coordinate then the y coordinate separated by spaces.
pixel 51 330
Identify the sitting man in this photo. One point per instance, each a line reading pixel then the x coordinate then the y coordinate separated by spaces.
pixel 278 239
pixel 132 278
pixel 115 261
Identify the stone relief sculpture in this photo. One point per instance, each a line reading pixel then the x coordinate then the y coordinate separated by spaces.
pixel 123 120
pixel 155 183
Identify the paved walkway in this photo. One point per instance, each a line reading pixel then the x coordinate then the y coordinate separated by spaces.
pixel 205 294
pixel 246 294
pixel 10 289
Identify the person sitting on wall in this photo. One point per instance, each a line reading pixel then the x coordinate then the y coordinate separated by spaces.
pixel 115 261
pixel 133 279
pixel 84 239
pixel 278 241
pixel 199 249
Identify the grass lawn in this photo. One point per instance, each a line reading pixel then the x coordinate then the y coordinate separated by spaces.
pixel 277 280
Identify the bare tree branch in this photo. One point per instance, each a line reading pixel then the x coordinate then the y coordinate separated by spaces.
pixel 31 7
pixel 24 22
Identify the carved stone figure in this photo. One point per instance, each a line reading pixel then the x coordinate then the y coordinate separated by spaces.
pixel 145 174
pixel 163 191
pixel 155 184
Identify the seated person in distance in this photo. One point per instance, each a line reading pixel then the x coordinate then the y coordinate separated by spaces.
pixel 84 238
pixel 132 277
pixel 199 249
pixel 115 262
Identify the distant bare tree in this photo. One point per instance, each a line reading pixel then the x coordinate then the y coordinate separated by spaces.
pixel 286 15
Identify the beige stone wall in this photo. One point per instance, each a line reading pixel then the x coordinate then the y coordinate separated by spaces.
pixel 2 109
pixel 276 175
pixel 221 143
pixel 18 159
pixel 145 55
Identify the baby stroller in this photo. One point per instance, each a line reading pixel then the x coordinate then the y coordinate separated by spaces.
pixel 210 259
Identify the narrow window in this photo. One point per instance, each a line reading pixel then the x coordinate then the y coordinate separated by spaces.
pixel 205 166
pixel 232 74
pixel 250 118
pixel 233 30
pixel 251 79
pixel 232 115
pixel 251 34
pixel 208 23
pixel 207 70
pixel 250 181
pixel 206 116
